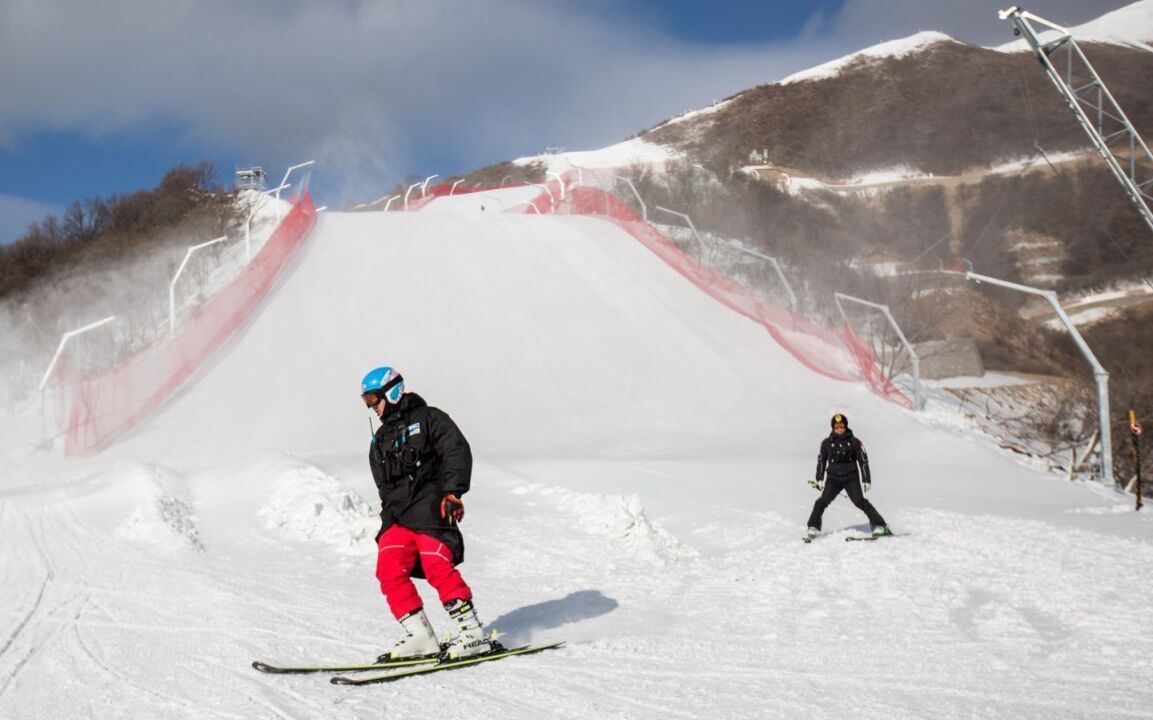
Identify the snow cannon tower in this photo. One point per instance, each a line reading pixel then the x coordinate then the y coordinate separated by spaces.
pixel 250 178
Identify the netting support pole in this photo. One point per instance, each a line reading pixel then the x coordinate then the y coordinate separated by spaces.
pixel 1099 372
pixel 918 396
pixel 637 195
pixel 689 220
pixel 52 366
pixel 780 273
pixel 172 285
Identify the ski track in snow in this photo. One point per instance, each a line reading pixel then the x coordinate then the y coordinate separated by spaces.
pixel 26 617
pixel 658 534
pixel 999 605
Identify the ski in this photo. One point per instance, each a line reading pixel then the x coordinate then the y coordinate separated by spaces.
pixel 445 665
pixel 871 538
pixel 363 667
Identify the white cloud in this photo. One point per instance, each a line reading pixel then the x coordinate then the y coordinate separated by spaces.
pixel 366 87
pixel 867 22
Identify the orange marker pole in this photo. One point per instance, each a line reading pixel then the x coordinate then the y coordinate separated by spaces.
pixel 1135 433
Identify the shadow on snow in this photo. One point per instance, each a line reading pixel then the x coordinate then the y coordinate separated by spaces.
pixel 519 625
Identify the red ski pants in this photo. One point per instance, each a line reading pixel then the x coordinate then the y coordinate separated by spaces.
pixel 397 552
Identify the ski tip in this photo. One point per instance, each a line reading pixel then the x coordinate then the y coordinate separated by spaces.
pixel 262 667
pixel 340 680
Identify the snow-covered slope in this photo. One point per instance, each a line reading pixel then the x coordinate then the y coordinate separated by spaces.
pixel 892 49
pixel 617 157
pixel 639 491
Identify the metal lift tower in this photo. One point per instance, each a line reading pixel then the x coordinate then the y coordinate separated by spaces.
pixel 1099 114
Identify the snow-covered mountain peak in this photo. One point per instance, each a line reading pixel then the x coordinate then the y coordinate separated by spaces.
pixel 892 49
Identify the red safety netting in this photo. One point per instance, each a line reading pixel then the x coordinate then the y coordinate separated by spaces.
pixel 871 369
pixel 831 352
pixel 107 405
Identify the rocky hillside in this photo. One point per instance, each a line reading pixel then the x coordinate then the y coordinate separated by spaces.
pixel 946 108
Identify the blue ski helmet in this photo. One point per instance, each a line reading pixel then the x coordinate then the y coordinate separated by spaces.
pixel 386 381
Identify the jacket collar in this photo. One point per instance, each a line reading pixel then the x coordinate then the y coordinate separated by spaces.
pixel 408 402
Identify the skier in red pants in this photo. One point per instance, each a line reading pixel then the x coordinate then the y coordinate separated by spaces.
pixel 422 465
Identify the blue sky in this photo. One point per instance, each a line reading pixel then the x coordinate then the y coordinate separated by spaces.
pixel 103 97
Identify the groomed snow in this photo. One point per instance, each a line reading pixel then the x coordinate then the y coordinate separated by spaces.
pixel 641 457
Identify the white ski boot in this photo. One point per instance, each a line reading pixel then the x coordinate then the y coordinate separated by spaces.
pixel 419 640
pixel 812 533
pixel 470 639
pixel 881 531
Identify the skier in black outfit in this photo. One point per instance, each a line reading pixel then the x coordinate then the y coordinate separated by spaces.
pixel 841 454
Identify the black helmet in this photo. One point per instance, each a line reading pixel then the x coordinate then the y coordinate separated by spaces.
pixel 839 419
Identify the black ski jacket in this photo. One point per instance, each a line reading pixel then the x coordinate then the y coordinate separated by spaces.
pixel 417 456
pixel 840 455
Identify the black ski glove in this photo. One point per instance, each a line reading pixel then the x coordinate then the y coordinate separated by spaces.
pixel 817 484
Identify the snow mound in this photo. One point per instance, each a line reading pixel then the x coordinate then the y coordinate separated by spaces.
pixel 892 49
pixel 164 517
pixel 309 504
pixel 621 518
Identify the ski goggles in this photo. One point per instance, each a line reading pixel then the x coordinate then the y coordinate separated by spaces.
pixel 371 399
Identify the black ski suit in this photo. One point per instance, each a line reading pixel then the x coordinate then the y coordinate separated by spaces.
pixel 837 466
pixel 419 455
